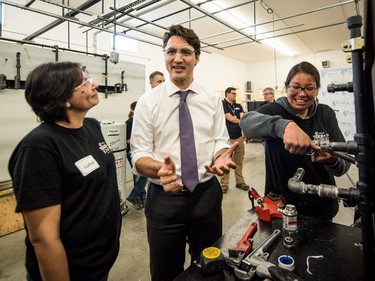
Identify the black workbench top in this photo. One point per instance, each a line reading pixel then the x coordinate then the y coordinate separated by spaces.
pixel 338 244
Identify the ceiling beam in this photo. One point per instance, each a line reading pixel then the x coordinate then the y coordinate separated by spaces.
pixel 57 22
pixel 67 7
pixel 218 20
pixel 76 21
pixel 291 33
pixel 28 4
pixel 284 18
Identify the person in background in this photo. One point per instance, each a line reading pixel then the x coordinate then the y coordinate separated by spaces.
pixel 138 194
pixel 269 94
pixel 181 207
pixel 64 179
pixel 290 126
pixel 156 78
pixel 233 113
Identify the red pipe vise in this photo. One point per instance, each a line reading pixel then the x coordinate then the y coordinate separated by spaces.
pixel 267 207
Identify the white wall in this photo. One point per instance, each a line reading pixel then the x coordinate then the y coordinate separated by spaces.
pixel 214 71
pixel 263 74
pixel 16 118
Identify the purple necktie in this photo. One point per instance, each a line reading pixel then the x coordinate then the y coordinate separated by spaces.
pixel 189 168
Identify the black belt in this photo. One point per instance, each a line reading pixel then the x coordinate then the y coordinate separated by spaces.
pixel 199 188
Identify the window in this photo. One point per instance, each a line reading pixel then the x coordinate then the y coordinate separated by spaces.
pixel 124 44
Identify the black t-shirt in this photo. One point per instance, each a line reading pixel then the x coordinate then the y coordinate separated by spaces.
pixel 234 109
pixel 75 168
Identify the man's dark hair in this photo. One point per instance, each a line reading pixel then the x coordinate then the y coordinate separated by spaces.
pixel 186 33
pixel 132 107
pixel 153 74
pixel 228 90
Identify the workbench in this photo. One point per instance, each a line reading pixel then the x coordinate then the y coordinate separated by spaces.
pixel 335 250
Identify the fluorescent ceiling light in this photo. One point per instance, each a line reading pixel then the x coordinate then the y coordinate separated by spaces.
pixel 274 42
pixel 235 20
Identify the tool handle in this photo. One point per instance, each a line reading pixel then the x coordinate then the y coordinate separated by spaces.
pixel 245 275
pixel 244 245
pixel 259 254
pixel 282 274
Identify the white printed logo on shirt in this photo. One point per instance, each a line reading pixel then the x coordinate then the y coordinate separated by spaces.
pixel 87 165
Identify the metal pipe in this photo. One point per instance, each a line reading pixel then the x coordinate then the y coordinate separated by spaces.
pixel 296 185
pixel 218 20
pixel 239 38
pixel 92 2
pixel 17 78
pixel 1 21
pixel 124 10
pixel 56 51
pixel 145 22
pixel 114 30
pixel 133 28
pixel 129 28
pixel 67 7
pixel 214 13
pixel 28 4
pixel 105 74
pixel 364 115
pixel 286 34
pixel 48 46
pixel 148 10
pixel 68 17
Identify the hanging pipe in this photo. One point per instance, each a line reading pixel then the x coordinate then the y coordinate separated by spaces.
pixel 105 75
pixel 17 78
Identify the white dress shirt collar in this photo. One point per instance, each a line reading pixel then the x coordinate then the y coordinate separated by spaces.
pixel 172 88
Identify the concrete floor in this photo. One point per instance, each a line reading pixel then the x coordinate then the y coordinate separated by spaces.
pixel 132 262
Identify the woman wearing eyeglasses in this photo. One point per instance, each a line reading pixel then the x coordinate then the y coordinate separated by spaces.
pixel 289 127
pixel 64 178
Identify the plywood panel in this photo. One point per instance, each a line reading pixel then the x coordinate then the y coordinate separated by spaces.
pixel 10 221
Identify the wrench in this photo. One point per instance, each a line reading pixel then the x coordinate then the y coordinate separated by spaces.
pixel 243 247
pixel 256 257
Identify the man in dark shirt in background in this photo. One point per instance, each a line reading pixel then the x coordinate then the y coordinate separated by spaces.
pixel 233 113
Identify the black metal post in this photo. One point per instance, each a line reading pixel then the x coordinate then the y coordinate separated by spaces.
pixel 364 119
pixel 17 78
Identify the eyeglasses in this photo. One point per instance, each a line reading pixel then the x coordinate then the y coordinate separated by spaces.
pixel 88 79
pixel 307 90
pixel 185 51
pixel 267 94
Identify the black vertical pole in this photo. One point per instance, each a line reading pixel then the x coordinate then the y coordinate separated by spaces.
pixel 17 78
pixel 364 114
pixel 1 18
